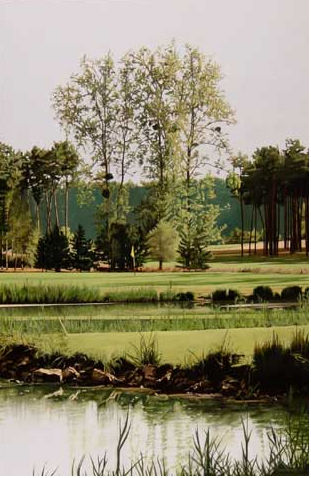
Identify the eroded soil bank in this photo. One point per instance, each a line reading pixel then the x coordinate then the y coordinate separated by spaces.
pixel 25 364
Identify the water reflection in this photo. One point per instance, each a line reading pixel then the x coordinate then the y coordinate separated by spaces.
pixel 40 426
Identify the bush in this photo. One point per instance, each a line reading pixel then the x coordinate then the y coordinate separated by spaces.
pixel 292 293
pixel 184 296
pixel 226 295
pixel 216 365
pixel 276 368
pixel 300 344
pixel 262 293
pixel 147 353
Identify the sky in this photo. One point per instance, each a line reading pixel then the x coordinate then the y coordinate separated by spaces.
pixel 261 46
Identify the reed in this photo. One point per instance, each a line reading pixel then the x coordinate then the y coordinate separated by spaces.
pixel 288 455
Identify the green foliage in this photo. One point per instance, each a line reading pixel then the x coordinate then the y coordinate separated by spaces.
pixel 196 222
pixel 115 246
pixel 53 251
pixel 47 294
pixel 146 353
pixel 216 365
pixel 162 242
pixel 263 293
pixel 277 368
pixel 229 295
pixel 236 235
pixel 132 295
pixel 81 255
pixel 170 295
pixel 292 293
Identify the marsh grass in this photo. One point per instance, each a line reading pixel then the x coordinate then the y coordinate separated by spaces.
pixel 147 352
pixel 72 294
pixel 49 294
pixel 154 320
pixel 288 455
pixel 132 295
pixel 278 367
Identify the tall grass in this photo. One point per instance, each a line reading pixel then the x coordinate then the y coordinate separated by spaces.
pixel 49 294
pixel 277 367
pixel 66 294
pixel 132 295
pixel 288 455
pixel 214 319
pixel 147 352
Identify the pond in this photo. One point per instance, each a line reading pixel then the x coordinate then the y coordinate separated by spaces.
pixel 47 425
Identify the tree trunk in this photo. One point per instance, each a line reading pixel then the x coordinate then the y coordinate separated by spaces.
pixel 38 216
pixel 251 232
pixel 285 223
pixel 6 254
pixel 160 264
pixel 307 224
pixel 242 226
pixel 66 206
pixel 255 238
pixel 48 200
pixel 56 209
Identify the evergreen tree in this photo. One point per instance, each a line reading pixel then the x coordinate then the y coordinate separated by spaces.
pixel 162 241
pixel 116 249
pixel 59 249
pixel 81 253
pixel 41 259
pixel 53 251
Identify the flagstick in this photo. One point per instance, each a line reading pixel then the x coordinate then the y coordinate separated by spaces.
pixel 134 265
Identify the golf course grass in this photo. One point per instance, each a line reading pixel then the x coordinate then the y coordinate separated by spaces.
pixel 197 282
pixel 178 347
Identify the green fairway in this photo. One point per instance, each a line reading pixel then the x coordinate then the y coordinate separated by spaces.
pixel 178 346
pixel 198 282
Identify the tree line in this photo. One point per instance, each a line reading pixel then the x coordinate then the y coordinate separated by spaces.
pixel 276 185
pixel 160 113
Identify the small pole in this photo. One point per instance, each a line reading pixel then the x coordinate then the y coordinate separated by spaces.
pixel 133 256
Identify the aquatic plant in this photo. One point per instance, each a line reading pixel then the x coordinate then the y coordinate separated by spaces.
pixel 288 455
pixel 146 352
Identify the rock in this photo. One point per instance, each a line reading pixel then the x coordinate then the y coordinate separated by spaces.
pixel 203 386
pixel 230 386
pixel 48 374
pixel 103 378
pixel 150 373
pixel 70 373
pixel 165 378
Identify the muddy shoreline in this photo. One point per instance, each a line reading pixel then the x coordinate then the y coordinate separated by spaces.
pixel 23 364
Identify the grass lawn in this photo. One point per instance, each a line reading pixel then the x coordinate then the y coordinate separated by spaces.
pixel 178 346
pixel 198 282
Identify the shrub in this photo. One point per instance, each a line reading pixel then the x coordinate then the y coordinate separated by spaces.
pixel 300 344
pixel 146 353
pixel 292 293
pixel 262 293
pixel 184 296
pixel 216 365
pixel 225 295
pixel 276 368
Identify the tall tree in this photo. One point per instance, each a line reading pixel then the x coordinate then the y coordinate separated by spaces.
pixel 156 114
pixel 88 108
pixel 163 242
pixel 235 184
pixel 67 160
pixel 82 257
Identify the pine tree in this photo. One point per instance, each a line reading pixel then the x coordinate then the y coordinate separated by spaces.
pixel 81 254
pixel 41 253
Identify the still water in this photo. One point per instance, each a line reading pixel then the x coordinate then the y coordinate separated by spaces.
pixel 46 425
